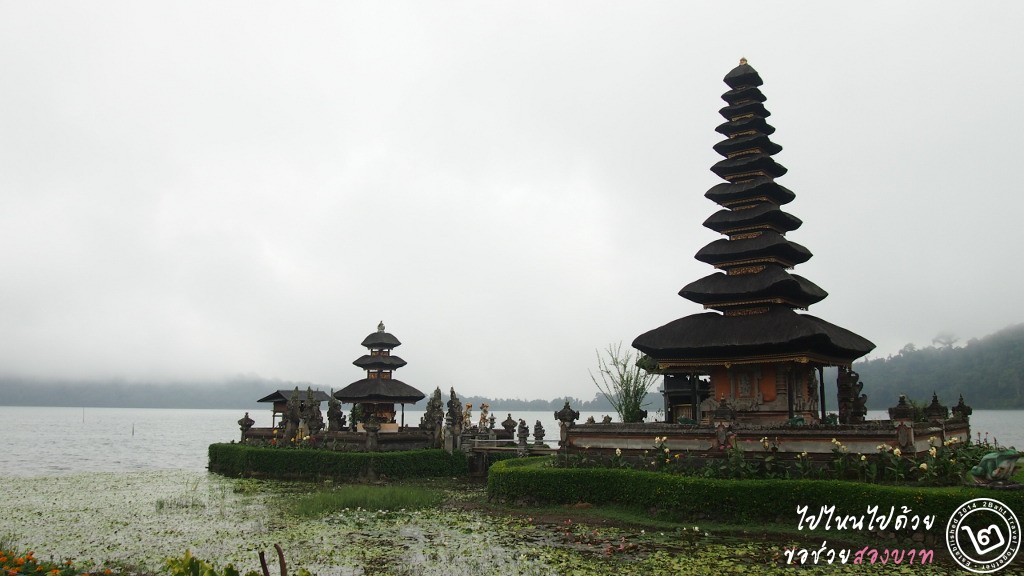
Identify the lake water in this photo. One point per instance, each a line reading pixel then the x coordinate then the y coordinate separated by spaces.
pixel 59 441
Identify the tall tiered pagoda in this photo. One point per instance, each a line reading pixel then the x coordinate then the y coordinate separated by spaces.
pixel 752 353
pixel 378 393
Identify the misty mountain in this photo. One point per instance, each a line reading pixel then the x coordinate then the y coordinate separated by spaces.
pixel 238 393
pixel 989 372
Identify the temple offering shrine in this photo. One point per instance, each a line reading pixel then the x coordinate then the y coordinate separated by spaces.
pixel 378 393
pixel 752 351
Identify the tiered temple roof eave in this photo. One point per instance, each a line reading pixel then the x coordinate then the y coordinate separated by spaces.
pixel 771 282
pixel 765 189
pixel 762 216
pixel 744 94
pixel 380 340
pixel 743 76
pixel 779 332
pixel 379 390
pixel 284 395
pixel 762 164
pixel 767 245
pixel 745 144
pixel 379 362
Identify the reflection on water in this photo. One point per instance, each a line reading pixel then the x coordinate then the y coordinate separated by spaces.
pixel 59 441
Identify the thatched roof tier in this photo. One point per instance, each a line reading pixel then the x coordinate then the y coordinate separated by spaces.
pixel 738 110
pixel 284 395
pixel 743 75
pixel 381 340
pixel 761 216
pixel 752 124
pixel 714 339
pixel 742 167
pixel 722 291
pixel 379 362
pixel 757 142
pixel 768 246
pixel 379 390
pixel 756 189
pixel 744 94
pixel 758 296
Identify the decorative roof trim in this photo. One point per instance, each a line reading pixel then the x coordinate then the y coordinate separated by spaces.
pixel 800 358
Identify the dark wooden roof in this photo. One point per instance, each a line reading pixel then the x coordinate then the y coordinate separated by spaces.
pixel 379 362
pixel 761 323
pixel 379 390
pixel 747 124
pixel 741 167
pixel 743 75
pixel 744 143
pixel 781 331
pixel 759 216
pixel 284 395
pixel 772 282
pixel 769 245
pixel 734 111
pixel 378 340
pixel 732 193
pixel 743 93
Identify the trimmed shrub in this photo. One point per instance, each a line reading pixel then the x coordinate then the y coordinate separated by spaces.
pixel 312 464
pixel 732 501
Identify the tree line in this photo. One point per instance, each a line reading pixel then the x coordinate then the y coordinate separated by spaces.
pixel 237 393
pixel 989 372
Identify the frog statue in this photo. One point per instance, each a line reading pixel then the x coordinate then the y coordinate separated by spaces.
pixel 995 467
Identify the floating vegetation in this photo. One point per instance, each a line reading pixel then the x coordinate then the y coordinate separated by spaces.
pixel 362 496
pixel 117 521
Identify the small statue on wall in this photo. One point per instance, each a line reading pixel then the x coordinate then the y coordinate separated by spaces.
pixel 334 415
pixel 454 415
pixel 996 468
pixel 484 416
pixel 314 417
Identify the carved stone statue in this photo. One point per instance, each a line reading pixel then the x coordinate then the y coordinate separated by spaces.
pixel 995 467
pixel 538 433
pixel 314 417
pixel 292 415
pixel 335 416
pixel 522 433
pixel 852 404
pixel 484 416
pixel 467 417
pixel 455 413
pixel 433 418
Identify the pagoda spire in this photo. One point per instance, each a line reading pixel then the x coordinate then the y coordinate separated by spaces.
pixel 752 296
pixel 755 255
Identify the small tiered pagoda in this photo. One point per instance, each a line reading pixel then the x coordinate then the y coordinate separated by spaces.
pixel 753 352
pixel 378 393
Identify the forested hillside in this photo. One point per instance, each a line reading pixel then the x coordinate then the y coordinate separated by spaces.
pixel 989 372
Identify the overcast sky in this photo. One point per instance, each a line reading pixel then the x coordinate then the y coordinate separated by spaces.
pixel 197 190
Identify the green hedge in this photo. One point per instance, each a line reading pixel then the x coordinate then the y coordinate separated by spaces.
pixel 732 501
pixel 311 464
